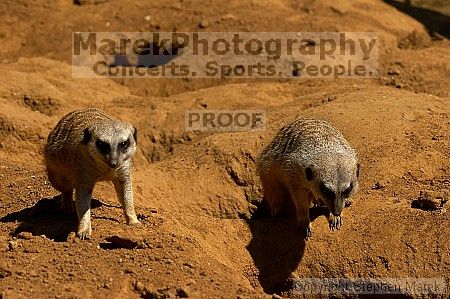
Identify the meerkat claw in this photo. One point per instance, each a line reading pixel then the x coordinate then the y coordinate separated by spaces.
pixel 335 222
pixel 133 221
pixel 83 235
pixel 307 233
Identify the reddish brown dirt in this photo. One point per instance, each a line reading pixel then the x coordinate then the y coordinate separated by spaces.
pixel 196 193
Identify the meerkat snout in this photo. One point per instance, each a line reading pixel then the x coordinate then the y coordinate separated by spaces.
pixel 333 180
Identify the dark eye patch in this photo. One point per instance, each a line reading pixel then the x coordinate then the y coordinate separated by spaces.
pixel 347 191
pixel 125 144
pixel 103 147
pixel 326 192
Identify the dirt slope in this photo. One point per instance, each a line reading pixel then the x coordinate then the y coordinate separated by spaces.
pixel 203 232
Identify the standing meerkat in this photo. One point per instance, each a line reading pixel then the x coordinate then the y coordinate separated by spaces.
pixel 85 147
pixel 308 159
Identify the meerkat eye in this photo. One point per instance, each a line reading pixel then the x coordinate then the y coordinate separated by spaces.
pixel 125 144
pixel 327 192
pixel 103 147
pixel 347 191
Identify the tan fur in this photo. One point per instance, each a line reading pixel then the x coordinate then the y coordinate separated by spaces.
pixel 74 162
pixel 314 146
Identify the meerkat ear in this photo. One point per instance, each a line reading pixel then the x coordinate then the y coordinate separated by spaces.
pixel 135 134
pixel 86 136
pixel 357 171
pixel 309 173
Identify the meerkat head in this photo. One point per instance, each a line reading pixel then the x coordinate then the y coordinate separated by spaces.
pixel 112 144
pixel 333 179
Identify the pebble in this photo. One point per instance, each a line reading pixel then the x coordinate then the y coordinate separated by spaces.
pixel 139 286
pixel 430 201
pixel 183 292
pixel 13 245
pixel 394 71
pixel 204 24
pixel 228 17
pixel 25 235
pixel 377 186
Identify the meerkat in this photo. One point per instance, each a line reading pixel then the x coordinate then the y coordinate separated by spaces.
pixel 85 147
pixel 308 161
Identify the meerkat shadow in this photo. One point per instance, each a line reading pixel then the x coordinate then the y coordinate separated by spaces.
pixel 277 247
pixel 45 218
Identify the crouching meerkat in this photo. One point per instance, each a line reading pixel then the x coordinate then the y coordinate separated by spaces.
pixel 307 160
pixel 85 147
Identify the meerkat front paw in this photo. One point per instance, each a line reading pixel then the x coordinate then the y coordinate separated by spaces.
pixel 84 232
pixel 335 222
pixel 132 220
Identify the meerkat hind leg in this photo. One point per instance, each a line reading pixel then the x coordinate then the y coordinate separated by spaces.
pixel 64 186
pixel 302 202
pixel 275 194
pixel 66 205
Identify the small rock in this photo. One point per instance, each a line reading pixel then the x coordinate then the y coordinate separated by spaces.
pixel 28 249
pixel 377 186
pixel 400 85
pixel 183 292
pixel 429 201
pixel 33 273
pixel 394 71
pixel 121 242
pixel 72 238
pixel 150 291
pixel 228 17
pixel 4 273
pixel 170 295
pixel 13 245
pixel 148 18
pixel 155 24
pixel 190 281
pixel 25 235
pixel 139 286
pixel 204 24
pixel 21 272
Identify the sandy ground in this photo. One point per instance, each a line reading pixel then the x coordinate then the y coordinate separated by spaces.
pixel 198 195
